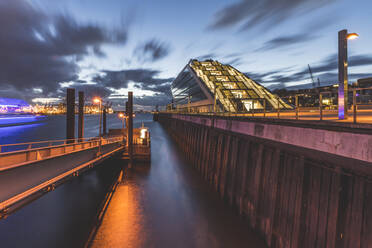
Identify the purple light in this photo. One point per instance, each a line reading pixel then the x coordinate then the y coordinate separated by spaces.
pixel 10 105
pixel 341 109
pixel 19 120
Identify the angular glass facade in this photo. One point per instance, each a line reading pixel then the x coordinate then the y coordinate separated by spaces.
pixel 185 88
pixel 232 90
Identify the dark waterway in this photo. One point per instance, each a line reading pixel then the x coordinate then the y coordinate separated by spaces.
pixel 165 204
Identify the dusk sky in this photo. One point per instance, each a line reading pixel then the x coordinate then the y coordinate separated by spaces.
pixel 109 47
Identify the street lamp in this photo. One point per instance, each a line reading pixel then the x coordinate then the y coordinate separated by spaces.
pixel 98 100
pixel 343 36
pixel 122 117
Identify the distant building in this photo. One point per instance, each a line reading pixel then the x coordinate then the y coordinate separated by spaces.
pixel 202 83
pixel 365 95
pixel 364 82
pixel 309 97
pixel 12 105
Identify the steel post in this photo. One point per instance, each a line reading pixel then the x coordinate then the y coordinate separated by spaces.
pixel 130 127
pixel 342 75
pixel 321 106
pixel 296 102
pixel 354 107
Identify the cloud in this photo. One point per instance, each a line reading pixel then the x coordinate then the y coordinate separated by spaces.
pixel 268 13
pixel 91 90
pixel 207 56
pixel 42 50
pixel 143 79
pixel 152 50
pixel 331 63
pixel 326 71
pixel 120 79
pixel 286 41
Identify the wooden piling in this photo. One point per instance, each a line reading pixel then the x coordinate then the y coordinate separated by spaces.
pixel 70 114
pixel 104 121
pixel 81 116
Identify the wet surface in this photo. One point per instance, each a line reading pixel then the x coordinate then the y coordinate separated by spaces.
pixel 63 217
pixel 167 204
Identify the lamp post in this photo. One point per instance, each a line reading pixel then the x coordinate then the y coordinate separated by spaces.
pixel 99 101
pixel 122 117
pixel 343 36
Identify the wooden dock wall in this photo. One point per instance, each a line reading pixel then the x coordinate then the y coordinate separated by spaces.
pixel 292 198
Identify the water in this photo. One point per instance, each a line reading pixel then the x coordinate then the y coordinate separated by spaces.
pixel 165 204
pixel 168 204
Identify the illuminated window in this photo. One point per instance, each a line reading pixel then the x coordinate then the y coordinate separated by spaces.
pixel 215 72
pixel 222 78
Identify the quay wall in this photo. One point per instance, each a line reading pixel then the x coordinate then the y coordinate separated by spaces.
pixel 293 195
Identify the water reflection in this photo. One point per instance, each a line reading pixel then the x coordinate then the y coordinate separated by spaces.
pixel 123 225
pixel 167 204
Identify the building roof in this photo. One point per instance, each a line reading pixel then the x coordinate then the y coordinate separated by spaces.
pixel 233 91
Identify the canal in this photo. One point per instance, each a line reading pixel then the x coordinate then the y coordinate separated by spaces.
pixel 165 204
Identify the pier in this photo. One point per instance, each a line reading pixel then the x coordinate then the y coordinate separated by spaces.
pixel 28 170
pixel 299 184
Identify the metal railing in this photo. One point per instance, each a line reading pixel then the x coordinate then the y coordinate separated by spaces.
pixel 306 106
pixel 23 153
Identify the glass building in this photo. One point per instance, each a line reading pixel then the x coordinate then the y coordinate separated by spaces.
pixel 202 85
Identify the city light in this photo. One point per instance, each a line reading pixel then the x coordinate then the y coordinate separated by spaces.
pixel 352 36
pixel 143 133
pixel 96 100
pixel 121 115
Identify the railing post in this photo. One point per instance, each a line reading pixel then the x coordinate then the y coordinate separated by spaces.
pixel 0 148
pixel 296 102
pixel 278 108
pixel 264 108
pixel 252 108
pixel 354 106
pixel 321 106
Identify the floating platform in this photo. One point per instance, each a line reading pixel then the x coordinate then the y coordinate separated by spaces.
pixel 141 143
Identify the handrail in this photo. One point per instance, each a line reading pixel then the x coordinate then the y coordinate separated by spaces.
pixel 12 159
pixel 50 142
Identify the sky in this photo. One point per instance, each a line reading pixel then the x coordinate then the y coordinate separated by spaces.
pixel 107 48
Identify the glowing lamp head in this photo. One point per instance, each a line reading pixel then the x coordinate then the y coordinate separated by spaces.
pixel 96 100
pixel 143 133
pixel 121 115
pixel 352 36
